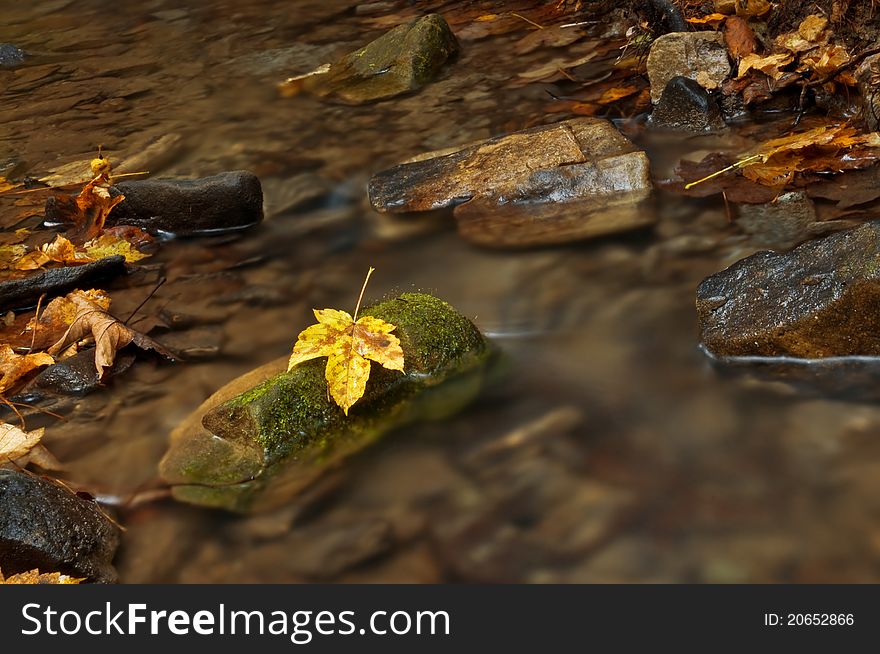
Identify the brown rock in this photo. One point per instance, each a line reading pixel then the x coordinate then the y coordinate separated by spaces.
pixel 701 56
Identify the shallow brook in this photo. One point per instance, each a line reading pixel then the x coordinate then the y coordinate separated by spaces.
pixel 610 450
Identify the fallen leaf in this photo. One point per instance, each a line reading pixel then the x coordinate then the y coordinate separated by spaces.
pixel 293 85
pixel 60 250
pixel 37 577
pixel 10 255
pixel 714 20
pixel 825 60
pixel 108 245
pixel 769 65
pixel 19 448
pixel 349 345
pixel 739 37
pixel 15 366
pixel 752 8
pixel 812 26
pixel 551 37
pixel 88 211
pixel 617 93
pixel 109 333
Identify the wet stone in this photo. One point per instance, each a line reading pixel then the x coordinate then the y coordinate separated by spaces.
pixel 700 56
pixel 25 292
pixel 184 207
pixel 686 106
pixel 822 299
pixel 45 526
pixel 77 375
pixel 401 61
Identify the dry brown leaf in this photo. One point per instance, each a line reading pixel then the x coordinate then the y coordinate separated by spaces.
pixel 617 93
pixel 812 27
pixel 60 251
pixel 109 333
pixel 88 211
pixel 18 448
pixel 825 60
pixel 37 577
pixel 15 366
pixel 752 8
pixel 769 65
pixel 349 343
pixel 739 37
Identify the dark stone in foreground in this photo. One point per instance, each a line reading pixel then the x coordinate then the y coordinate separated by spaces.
pixel 822 299
pixel 45 526
pixel 224 202
pixel 10 55
pixel 17 293
pixel 686 106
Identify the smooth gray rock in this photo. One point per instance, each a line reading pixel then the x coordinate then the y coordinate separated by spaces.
pixel 45 526
pixel 820 300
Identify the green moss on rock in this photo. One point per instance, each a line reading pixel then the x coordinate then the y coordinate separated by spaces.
pixel 298 431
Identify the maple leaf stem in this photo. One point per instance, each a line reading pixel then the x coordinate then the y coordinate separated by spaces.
pixel 742 163
pixel 361 296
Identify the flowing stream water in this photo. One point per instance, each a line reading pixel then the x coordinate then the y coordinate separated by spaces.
pixel 610 451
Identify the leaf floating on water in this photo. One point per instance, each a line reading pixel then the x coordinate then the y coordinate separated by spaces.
pixel 37 577
pixel 14 366
pixel 349 343
pixel 109 333
pixel 19 448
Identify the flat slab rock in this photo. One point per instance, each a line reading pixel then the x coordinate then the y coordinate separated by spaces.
pixel 584 161
pixel 45 526
pixel 820 300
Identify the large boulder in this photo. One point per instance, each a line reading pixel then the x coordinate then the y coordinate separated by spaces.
pixel 700 56
pixel 400 61
pixel 270 435
pixel 822 299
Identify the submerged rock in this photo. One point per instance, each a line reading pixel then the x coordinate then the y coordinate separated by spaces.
pixel 822 299
pixel 25 292
pixel 269 435
pixel 45 526
pixel 183 207
pixel 686 106
pixel 10 55
pixel 510 181
pixel 700 56
pixel 400 61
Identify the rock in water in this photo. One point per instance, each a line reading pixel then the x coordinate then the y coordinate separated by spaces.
pixel 700 56
pixel 551 184
pixel 224 202
pixel 25 292
pixel 183 207
pixel 822 299
pixel 686 106
pixel 270 434
pixel 43 525
pixel 400 61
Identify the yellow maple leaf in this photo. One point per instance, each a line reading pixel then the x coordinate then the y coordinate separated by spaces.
pixel 349 343
pixel 14 366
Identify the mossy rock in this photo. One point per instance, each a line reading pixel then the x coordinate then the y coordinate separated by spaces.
pixel 400 61
pixel 269 435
